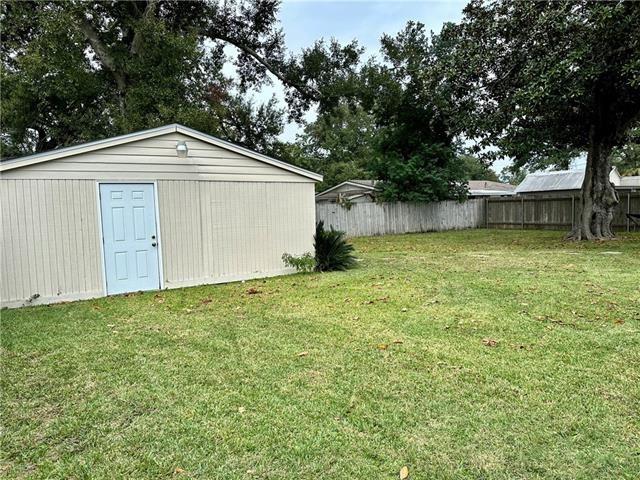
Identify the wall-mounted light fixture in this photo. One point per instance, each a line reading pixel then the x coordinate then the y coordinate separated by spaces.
pixel 181 149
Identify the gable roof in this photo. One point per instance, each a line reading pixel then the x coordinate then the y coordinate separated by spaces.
pixel 153 132
pixel 366 185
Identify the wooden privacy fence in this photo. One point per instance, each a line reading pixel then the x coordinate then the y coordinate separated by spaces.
pixel 363 219
pixel 556 213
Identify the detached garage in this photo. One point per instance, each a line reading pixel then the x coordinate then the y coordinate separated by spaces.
pixel 163 208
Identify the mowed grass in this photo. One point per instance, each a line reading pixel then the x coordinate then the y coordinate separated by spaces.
pixel 470 354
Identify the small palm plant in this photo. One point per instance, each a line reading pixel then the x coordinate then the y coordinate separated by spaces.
pixel 333 252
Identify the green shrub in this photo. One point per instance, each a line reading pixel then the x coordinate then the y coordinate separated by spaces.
pixel 302 263
pixel 333 252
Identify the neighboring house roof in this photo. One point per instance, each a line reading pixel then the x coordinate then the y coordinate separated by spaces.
pixel 630 181
pixel 549 181
pixel 489 185
pixel 369 183
pixel 568 180
pixel 355 187
pixel 489 188
pixel 153 132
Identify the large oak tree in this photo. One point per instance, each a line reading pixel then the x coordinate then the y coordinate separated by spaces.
pixel 544 80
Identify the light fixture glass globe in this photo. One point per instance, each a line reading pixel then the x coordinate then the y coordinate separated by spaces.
pixel 182 150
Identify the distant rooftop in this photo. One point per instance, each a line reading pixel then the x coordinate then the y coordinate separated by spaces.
pixel 630 181
pixel 548 181
pixel 568 180
pixel 489 185
pixel 347 189
pixel 369 183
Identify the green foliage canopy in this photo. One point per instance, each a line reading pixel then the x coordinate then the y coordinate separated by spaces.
pixel 475 169
pixel 76 71
pixel 417 158
pixel 534 78
pixel 339 144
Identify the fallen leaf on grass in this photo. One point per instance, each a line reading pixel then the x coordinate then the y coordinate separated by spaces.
pixel 490 342
pixel 241 409
pixel 404 473
pixel 253 291
pixel 382 346
pixel 381 299
pixel 404 309
pixel 398 342
pixel 206 301
pixel 178 470
pixel 303 354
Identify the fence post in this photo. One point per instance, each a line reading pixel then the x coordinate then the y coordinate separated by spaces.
pixel 522 213
pixel 573 211
pixel 628 211
pixel 486 212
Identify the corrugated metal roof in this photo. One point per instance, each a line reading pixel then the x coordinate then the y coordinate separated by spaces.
pixel 569 180
pixel 630 181
pixel 549 181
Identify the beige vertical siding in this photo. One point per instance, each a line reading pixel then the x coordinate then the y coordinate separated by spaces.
pixel 210 232
pixel 50 241
pixel 223 231
pixel 223 217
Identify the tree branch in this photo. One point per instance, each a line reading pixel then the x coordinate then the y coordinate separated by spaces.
pixel 101 51
pixel 149 11
pixel 310 92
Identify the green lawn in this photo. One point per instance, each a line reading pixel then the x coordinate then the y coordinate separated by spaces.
pixel 471 354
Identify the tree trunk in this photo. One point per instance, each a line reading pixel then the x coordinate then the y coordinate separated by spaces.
pixel 598 197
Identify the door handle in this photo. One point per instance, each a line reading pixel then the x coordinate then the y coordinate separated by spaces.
pixel 154 244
